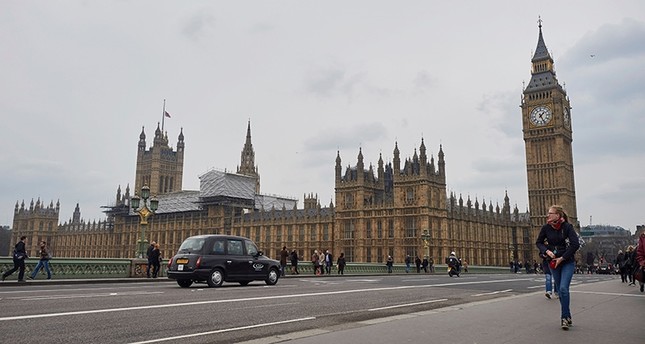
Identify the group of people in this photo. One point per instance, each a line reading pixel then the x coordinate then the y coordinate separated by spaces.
pixel 322 262
pixel 154 260
pixel 20 256
pixel 627 265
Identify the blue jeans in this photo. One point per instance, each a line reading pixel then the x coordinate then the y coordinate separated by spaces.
pixel 549 282
pixel 562 277
pixel 43 263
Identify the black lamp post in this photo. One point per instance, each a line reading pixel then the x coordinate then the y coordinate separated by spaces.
pixel 144 212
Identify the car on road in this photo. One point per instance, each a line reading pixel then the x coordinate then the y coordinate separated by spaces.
pixel 604 269
pixel 216 259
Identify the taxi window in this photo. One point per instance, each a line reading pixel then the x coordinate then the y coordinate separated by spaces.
pixel 218 247
pixel 235 247
pixel 251 249
pixel 192 245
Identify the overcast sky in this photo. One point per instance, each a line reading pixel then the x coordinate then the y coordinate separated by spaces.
pixel 81 78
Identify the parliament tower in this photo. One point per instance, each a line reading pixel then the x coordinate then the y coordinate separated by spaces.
pixel 546 122
pixel 161 168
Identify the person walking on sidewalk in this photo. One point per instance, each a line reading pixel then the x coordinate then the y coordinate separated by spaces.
pixel 639 264
pixel 43 263
pixel 284 254
pixel 389 263
pixel 294 262
pixel 155 259
pixel 19 257
pixel 151 261
pixel 341 263
pixel 558 241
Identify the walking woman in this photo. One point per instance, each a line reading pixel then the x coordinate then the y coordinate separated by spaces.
pixel 558 241
pixel 43 263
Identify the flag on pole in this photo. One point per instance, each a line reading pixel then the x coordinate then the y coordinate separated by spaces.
pixel 166 114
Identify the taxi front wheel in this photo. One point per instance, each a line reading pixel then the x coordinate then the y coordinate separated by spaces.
pixel 272 279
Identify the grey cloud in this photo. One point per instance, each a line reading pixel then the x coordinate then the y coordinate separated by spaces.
pixel 199 25
pixel 423 80
pixel 333 138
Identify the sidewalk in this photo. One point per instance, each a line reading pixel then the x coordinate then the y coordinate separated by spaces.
pixel 603 312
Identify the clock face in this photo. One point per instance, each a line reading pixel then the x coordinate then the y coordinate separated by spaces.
pixel 541 115
pixel 567 119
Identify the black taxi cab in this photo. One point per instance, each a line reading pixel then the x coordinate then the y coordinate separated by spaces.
pixel 215 259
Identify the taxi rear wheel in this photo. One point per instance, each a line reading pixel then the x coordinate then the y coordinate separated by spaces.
pixel 216 278
pixel 184 283
pixel 272 279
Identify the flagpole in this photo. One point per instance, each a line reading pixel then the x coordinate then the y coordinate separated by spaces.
pixel 163 115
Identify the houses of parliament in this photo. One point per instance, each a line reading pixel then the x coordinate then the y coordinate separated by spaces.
pixel 399 208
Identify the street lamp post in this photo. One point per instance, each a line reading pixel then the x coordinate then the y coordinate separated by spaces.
pixel 426 241
pixel 144 213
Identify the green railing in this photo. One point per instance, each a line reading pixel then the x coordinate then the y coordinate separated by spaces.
pixel 74 268
pixel 71 268
pixel 381 269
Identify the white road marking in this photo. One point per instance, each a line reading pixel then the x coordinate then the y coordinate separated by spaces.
pixel 223 330
pixel 406 305
pixel 493 292
pixel 188 304
pixel 138 286
pixel 79 296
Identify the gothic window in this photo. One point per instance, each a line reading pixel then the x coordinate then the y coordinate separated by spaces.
pixel 312 233
pixel 379 229
pixel 289 233
pixel 410 227
pixel 391 228
pixel 349 200
pixel 409 195
pixel 349 230
pixel 301 233
pixel 368 229
pixel 278 234
pixel 325 232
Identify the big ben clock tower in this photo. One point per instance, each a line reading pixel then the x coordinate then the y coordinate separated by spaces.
pixel 546 123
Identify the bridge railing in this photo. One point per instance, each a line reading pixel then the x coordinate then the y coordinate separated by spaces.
pixel 76 268
pixel 70 268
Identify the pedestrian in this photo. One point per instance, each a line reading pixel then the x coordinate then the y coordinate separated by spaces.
pixel 465 263
pixel 560 249
pixel 620 262
pixel 150 261
pixel 19 256
pixel 294 262
pixel 329 261
pixel 408 261
pixel 417 262
pixel 155 259
pixel 431 264
pixel 548 280
pixel 389 263
pixel 425 263
pixel 639 270
pixel 284 254
pixel 630 264
pixel 315 262
pixel 43 263
pixel 341 263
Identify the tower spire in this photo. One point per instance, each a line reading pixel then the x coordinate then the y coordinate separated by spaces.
pixel 247 163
